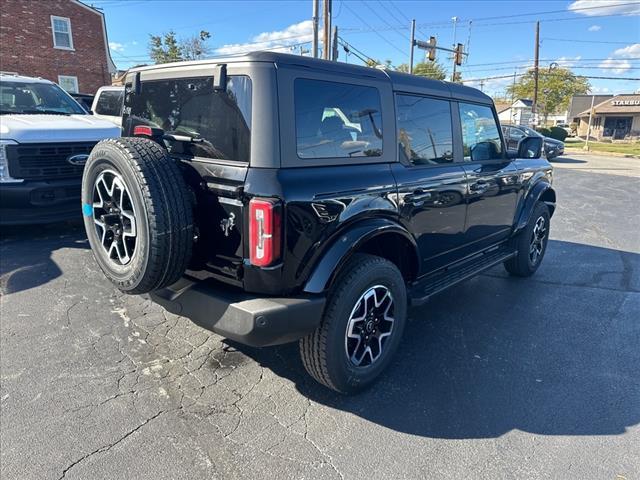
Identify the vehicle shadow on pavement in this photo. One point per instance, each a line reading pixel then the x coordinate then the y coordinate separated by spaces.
pixel 567 160
pixel 25 253
pixel 555 354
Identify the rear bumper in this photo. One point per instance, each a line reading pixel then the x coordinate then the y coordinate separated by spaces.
pixel 242 317
pixel 32 202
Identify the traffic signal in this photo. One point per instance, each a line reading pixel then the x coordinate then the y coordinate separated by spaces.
pixel 432 49
pixel 458 54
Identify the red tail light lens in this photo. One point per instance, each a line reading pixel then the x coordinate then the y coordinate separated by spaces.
pixel 143 130
pixel 264 231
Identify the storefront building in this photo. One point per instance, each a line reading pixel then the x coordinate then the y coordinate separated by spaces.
pixel 617 118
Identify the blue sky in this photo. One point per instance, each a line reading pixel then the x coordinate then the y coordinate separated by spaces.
pixel 596 38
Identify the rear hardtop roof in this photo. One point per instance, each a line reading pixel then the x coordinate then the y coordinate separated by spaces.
pixel 399 81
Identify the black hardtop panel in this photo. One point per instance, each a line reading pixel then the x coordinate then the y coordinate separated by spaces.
pixel 403 82
pixel 400 81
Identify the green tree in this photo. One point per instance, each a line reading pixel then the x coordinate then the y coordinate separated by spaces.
pixel 167 48
pixel 425 69
pixel 555 89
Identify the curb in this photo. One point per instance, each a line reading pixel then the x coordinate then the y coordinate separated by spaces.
pixel 592 152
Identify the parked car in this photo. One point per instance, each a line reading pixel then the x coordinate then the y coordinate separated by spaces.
pixel 45 140
pixel 274 198
pixel 107 104
pixel 84 99
pixel 514 133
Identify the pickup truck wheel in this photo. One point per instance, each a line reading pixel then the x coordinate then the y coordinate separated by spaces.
pixel 137 214
pixel 531 244
pixel 361 328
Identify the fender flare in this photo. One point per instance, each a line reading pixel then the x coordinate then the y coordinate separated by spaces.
pixel 533 196
pixel 346 244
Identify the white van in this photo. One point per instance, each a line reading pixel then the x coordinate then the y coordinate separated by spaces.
pixel 107 104
pixel 45 140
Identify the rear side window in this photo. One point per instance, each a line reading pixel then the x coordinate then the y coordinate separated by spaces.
pixel 218 121
pixel 337 120
pixel 480 135
pixel 424 130
pixel 110 103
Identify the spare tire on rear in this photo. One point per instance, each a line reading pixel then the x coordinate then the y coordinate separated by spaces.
pixel 138 214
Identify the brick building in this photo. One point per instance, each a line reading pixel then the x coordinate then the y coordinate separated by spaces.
pixel 61 40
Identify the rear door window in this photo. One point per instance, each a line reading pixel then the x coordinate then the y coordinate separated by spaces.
pixel 337 120
pixel 218 121
pixel 110 103
pixel 424 130
pixel 480 134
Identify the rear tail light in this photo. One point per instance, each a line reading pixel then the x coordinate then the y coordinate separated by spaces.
pixel 143 130
pixel 264 231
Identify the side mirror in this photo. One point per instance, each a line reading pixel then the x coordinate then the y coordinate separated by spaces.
pixel 530 147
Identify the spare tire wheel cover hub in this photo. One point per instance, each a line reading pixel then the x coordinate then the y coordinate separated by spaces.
pixel 114 216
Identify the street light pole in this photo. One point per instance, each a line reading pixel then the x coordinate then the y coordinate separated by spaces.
pixel 455 23
pixel 413 42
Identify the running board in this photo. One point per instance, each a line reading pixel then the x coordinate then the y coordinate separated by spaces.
pixel 439 281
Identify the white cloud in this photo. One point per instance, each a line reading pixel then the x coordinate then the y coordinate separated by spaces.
pixel 630 51
pixel 605 7
pixel 277 40
pixel 568 62
pixel 116 47
pixel 600 90
pixel 594 28
pixel 615 65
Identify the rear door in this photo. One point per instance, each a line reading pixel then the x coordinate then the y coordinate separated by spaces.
pixel 214 161
pixel 431 185
pixel 493 178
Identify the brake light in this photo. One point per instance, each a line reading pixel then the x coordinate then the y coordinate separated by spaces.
pixel 264 231
pixel 143 130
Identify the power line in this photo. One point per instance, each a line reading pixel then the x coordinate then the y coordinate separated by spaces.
pixel 384 20
pixel 586 41
pixel 376 32
pixel 523 74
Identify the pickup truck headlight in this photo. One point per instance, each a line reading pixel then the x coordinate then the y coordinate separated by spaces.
pixel 4 163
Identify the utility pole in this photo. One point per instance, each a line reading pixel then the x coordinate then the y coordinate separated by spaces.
pixel 586 143
pixel 314 42
pixel 334 44
pixel 326 26
pixel 536 57
pixel 453 72
pixel 413 41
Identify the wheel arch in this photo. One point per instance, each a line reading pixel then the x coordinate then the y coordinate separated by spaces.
pixel 381 237
pixel 541 191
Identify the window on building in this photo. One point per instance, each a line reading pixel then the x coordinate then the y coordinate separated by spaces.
pixel 480 134
pixel 218 121
pixel 69 83
pixel 337 120
pixel 424 130
pixel 61 27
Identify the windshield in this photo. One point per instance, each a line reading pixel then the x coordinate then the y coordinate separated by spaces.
pixel 33 98
pixel 530 132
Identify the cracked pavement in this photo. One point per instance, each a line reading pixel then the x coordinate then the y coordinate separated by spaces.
pixel 496 378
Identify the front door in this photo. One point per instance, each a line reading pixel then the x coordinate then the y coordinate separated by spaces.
pixel 431 186
pixel 493 180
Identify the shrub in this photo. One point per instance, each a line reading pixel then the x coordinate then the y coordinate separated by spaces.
pixel 544 131
pixel 558 133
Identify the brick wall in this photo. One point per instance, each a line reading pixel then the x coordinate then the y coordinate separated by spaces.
pixel 26 42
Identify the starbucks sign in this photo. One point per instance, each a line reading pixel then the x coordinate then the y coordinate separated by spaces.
pixel 625 102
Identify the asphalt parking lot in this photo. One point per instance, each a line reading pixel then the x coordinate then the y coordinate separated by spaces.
pixel 496 378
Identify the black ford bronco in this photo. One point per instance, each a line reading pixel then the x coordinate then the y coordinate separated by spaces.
pixel 274 198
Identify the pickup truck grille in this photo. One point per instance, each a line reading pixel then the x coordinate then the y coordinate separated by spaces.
pixel 45 161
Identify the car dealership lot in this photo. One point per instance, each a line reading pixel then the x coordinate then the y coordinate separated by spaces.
pixel 496 378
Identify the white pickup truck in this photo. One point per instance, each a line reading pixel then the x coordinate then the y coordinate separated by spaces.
pixel 45 140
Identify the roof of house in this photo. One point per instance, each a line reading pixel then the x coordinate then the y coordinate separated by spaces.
pixel 580 103
pixel 625 103
pixel 527 102
pixel 502 106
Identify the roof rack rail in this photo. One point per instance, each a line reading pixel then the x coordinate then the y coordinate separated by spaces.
pixel 12 74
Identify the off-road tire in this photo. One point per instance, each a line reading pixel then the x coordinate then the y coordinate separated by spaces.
pixel 164 213
pixel 522 265
pixel 323 352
